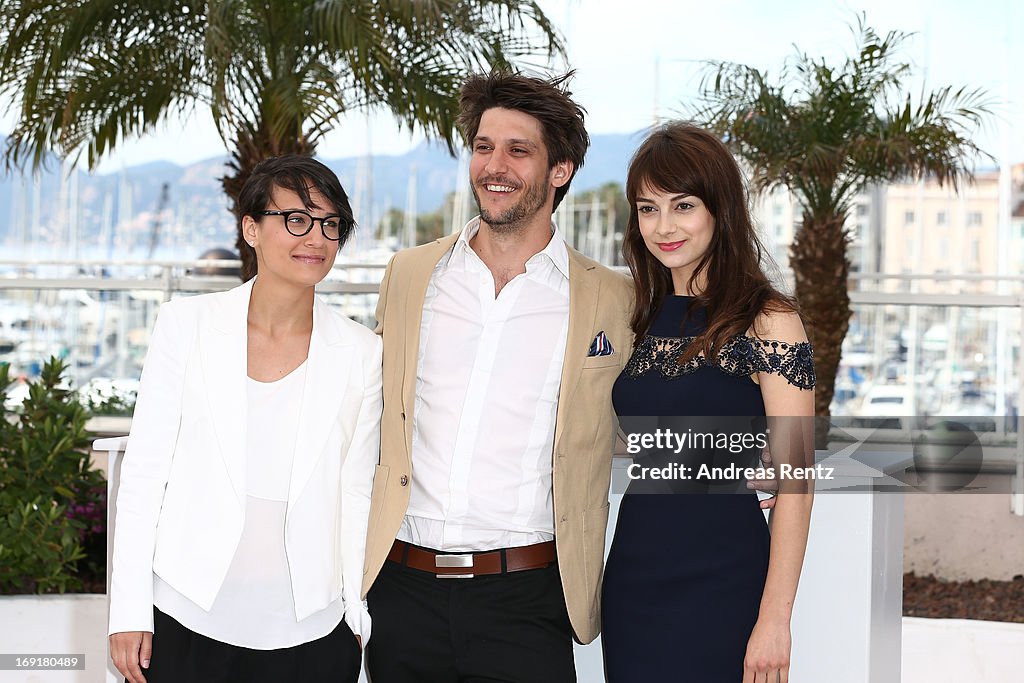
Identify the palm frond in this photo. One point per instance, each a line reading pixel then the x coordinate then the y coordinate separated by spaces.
pixel 824 131
pixel 87 75
pixel 84 75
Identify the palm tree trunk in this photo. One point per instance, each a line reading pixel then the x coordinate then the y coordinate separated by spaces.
pixel 820 268
pixel 249 151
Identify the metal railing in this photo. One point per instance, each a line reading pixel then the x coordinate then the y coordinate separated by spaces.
pixel 984 315
pixel 169 277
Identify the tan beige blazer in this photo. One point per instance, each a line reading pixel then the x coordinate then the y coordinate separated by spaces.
pixel 585 425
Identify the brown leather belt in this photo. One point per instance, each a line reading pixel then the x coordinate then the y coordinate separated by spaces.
pixel 468 565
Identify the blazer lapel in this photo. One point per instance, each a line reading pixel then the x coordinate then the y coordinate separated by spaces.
pixel 418 274
pixel 222 352
pixel 584 292
pixel 321 397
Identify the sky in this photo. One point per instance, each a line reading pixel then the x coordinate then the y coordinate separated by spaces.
pixel 641 60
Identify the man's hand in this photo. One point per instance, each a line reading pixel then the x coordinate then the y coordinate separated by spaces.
pixel 768 485
pixel 129 650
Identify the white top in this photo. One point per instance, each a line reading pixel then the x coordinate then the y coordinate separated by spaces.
pixel 488 375
pixel 255 607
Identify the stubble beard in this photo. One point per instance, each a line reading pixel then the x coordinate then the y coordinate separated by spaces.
pixel 514 219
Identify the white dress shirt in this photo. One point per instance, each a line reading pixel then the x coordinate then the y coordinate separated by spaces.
pixel 487 382
pixel 254 606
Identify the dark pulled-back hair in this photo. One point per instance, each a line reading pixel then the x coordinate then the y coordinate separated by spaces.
pixel 547 100
pixel 681 158
pixel 299 174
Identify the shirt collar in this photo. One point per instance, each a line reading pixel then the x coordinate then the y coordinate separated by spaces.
pixel 555 251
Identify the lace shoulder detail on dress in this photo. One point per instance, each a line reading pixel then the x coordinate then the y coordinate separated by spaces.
pixel 741 356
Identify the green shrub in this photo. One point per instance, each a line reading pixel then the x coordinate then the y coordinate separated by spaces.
pixel 51 501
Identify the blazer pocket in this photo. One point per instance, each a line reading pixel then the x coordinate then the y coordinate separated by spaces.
pixel 601 361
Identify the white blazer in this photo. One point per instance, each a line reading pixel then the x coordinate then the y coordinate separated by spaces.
pixel 181 501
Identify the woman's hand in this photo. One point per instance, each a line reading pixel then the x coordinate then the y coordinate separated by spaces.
pixel 761 482
pixel 129 650
pixel 767 658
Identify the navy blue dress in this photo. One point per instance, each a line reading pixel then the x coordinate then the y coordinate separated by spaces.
pixel 685 572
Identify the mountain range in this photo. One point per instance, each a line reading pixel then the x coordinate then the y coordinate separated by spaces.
pixel 194 211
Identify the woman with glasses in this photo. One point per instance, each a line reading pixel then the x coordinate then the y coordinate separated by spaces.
pixel 245 489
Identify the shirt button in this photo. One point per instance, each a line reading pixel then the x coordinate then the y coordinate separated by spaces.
pixel 404 481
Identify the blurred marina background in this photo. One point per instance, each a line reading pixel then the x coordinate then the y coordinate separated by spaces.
pixel 935 278
pixel 936 282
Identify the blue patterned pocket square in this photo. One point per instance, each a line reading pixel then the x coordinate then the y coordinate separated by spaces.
pixel 600 346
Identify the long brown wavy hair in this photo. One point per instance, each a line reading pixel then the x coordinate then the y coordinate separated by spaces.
pixel 681 158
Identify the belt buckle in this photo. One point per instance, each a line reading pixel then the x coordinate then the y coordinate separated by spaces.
pixel 459 561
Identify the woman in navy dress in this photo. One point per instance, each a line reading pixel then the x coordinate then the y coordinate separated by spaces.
pixel 696 588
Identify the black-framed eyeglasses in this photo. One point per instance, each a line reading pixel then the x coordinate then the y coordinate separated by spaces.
pixel 298 223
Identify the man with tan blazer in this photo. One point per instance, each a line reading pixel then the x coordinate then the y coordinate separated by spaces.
pixel 501 345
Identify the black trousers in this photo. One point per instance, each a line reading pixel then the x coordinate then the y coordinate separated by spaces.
pixel 183 656
pixel 510 628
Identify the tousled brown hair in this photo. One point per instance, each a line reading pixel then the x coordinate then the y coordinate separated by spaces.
pixel 547 100
pixel 681 158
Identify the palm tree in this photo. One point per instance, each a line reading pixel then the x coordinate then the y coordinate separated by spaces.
pixel 276 74
pixel 825 132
